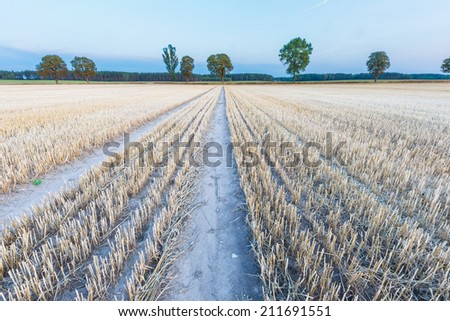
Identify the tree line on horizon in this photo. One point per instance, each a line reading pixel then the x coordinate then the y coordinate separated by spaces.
pixel 295 56
pixel 121 76
pixel 54 67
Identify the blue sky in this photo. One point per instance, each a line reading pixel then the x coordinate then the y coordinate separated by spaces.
pixel 129 35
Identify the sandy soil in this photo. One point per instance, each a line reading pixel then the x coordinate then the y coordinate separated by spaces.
pixel 21 200
pixel 216 261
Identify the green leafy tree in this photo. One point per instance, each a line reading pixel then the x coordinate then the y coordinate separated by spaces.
pixel 170 60
pixel 219 65
pixel 295 55
pixel 446 66
pixel 186 67
pixel 52 66
pixel 378 63
pixel 83 67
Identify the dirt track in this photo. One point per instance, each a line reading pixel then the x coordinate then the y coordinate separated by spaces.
pixel 216 261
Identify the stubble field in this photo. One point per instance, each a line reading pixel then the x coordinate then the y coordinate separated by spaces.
pixel 349 198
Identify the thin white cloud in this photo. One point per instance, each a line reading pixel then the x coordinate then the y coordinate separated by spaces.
pixel 323 2
pixel 318 5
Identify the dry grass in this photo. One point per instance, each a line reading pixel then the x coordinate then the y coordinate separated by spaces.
pixel 42 127
pixel 377 229
pixel 87 233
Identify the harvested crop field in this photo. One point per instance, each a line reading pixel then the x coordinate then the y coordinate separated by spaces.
pixel 235 192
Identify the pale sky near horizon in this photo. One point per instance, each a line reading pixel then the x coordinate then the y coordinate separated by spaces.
pixel 130 35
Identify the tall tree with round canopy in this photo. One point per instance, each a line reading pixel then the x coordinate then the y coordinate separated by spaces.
pixel 295 55
pixel 52 66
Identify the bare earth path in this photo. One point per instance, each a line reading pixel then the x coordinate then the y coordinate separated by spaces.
pixel 217 262
pixel 25 196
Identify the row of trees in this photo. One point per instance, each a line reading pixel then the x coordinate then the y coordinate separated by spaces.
pixel 121 76
pixel 363 76
pixel 218 65
pixel 295 55
pixel 53 66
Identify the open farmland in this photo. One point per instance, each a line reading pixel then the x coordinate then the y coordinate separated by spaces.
pixel 377 228
pixel 370 223
pixel 42 127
